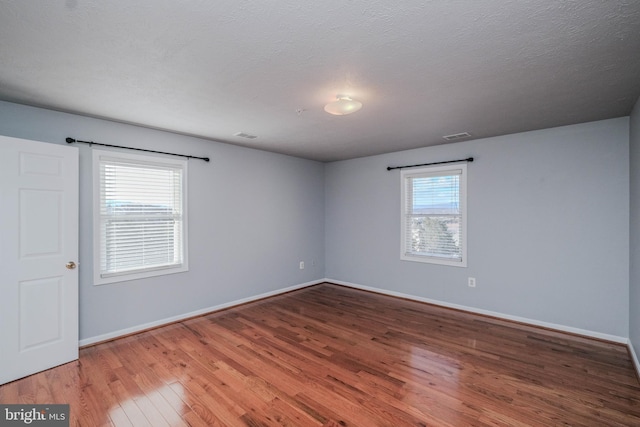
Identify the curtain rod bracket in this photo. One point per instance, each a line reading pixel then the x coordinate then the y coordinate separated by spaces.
pixel 91 143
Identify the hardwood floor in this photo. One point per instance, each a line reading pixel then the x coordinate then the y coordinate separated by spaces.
pixel 334 356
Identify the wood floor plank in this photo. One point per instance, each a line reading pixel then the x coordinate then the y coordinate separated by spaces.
pixel 119 418
pixel 176 399
pixel 333 356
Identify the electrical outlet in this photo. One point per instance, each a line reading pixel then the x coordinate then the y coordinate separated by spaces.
pixel 472 282
pixel 301 265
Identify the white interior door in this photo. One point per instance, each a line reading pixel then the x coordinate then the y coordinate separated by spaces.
pixel 38 253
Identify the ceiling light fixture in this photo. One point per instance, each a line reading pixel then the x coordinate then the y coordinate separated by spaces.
pixel 342 106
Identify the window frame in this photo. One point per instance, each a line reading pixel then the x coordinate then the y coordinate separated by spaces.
pixel 430 171
pixel 150 160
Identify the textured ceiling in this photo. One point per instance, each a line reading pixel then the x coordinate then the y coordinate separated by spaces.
pixel 422 69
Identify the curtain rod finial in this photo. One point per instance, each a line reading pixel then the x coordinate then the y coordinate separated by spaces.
pixel 70 140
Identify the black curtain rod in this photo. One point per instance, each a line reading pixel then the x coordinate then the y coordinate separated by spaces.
pixel 470 159
pixel 71 141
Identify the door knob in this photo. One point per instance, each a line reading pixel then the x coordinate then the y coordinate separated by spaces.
pixel 71 265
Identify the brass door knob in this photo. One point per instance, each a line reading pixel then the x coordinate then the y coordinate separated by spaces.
pixel 71 265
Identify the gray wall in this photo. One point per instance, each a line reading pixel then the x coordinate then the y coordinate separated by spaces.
pixel 548 226
pixel 634 283
pixel 253 216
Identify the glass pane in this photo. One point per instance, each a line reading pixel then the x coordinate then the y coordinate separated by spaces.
pixel 436 195
pixel 141 216
pixel 435 236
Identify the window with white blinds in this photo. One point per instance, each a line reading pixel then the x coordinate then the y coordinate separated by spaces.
pixel 434 215
pixel 140 216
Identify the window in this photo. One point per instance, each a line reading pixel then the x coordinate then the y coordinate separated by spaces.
pixel 434 218
pixel 140 216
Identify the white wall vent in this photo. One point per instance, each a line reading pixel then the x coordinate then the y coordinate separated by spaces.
pixel 245 135
pixel 457 136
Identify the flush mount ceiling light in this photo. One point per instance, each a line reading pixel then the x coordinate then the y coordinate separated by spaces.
pixel 342 106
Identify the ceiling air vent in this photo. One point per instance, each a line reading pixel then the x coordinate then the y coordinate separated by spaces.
pixel 457 136
pixel 245 135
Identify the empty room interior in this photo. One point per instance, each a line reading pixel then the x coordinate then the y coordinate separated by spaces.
pixel 338 213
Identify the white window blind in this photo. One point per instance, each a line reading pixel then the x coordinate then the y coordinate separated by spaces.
pixel 141 220
pixel 434 215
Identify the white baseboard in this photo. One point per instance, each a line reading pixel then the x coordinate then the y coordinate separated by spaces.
pixel 554 326
pixel 557 327
pixel 634 358
pixel 139 328
pixel 561 328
